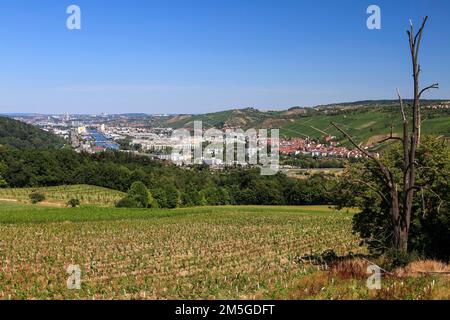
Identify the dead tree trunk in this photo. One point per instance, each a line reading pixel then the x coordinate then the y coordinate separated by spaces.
pixel 410 147
pixel 401 202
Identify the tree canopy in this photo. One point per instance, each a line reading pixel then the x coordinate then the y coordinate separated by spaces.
pixel 362 186
pixel 24 136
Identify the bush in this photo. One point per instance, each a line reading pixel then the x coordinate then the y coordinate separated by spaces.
pixel 397 259
pixel 36 197
pixel 166 197
pixel 73 203
pixel 3 168
pixel 173 196
pixel 138 197
pixel 160 196
pixel 128 203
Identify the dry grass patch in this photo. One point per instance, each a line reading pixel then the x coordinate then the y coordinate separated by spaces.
pixel 421 267
pixel 350 269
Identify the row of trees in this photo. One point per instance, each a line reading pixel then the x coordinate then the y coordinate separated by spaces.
pixel 169 185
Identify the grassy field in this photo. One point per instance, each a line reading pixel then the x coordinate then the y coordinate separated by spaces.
pixel 58 196
pixel 194 253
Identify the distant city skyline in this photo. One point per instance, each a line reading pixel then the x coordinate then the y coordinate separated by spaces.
pixel 172 57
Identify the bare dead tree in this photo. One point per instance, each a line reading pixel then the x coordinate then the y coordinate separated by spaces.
pixel 400 200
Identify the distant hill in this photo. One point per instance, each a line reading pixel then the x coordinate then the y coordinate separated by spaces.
pixel 367 121
pixel 24 136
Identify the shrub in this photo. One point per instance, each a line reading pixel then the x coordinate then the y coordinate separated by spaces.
pixel 138 197
pixel 395 258
pixel 128 203
pixel 191 198
pixel 173 196
pixel 36 197
pixel 160 196
pixel 73 203
pixel 166 197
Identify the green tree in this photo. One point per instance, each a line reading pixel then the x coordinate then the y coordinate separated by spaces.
pixel 363 187
pixel 298 193
pixel 224 197
pixel 191 198
pixel 3 183
pixel 172 196
pixel 3 168
pixel 160 196
pixel 138 196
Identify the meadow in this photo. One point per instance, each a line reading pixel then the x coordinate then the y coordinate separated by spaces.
pixel 246 252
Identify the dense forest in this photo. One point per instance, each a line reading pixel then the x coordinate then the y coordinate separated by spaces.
pixel 170 185
pixel 24 136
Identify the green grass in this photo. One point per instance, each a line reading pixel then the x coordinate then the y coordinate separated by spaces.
pixel 21 213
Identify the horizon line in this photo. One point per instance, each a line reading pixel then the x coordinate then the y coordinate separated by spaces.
pixel 223 110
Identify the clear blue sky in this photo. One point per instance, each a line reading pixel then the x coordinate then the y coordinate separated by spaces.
pixel 193 56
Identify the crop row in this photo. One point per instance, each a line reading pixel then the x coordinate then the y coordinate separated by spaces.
pixel 222 255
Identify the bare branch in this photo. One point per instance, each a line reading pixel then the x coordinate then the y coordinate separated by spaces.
pixel 433 86
pixel 387 174
pixel 352 141
pixel 381 194
pixel 389 138
pixel 419 187
pixel 411 41
pixel 437 195
pixel 401 107
pixel 418 38
pixel 411 32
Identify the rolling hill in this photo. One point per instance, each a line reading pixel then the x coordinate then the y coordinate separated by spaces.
pixel 365 120
pixel 24 136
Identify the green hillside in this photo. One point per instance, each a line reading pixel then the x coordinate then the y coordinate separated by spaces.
pixel 24 136
pixel 365 120
pixel 366 126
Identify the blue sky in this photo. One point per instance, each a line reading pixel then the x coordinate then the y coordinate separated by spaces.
pixel 195 56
